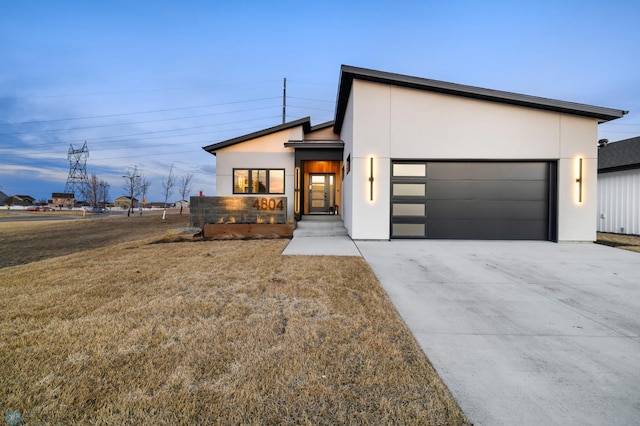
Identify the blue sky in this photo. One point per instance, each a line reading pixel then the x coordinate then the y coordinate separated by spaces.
pixel 148 83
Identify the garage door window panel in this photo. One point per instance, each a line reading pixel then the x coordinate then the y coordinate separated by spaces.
pixel 409 189
pixel 406 209
pixel 409 170
pixel 408 230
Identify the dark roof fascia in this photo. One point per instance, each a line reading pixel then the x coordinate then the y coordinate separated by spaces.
pixel 321 126
pixel 304 122
pixel 350 73
pixel 331 144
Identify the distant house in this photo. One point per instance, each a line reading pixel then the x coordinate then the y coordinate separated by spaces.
pixel 619 187
pixel 62 200
pixel 3 197
pixel 182 204
pixel 25 200
pixel 125 202
pixel 20 200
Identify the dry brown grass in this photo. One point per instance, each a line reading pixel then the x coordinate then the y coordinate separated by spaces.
pixel 24 242
pixel 211 332
pixel 626 242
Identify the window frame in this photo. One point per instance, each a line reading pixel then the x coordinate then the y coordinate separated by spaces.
pixel 250 172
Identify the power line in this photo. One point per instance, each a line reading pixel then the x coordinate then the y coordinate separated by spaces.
pixel 152 155
pixel 313 100
pixel 135 122
pixel 136 113
pixel 315 109
pixel 68 95
pixel 97 140
pixel 158 131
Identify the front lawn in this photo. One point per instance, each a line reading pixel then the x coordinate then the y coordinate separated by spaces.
pixel 209 332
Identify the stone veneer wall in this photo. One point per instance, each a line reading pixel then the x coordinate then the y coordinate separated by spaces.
pixel 238 209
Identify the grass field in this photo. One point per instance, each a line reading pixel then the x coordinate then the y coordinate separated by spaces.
pixel 626 242
pixel 101 324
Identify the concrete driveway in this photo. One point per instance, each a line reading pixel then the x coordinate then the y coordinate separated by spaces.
pixel 522 333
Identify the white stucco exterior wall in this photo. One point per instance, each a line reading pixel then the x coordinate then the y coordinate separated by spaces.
pixel 267 152
pixel 390 122
pixel 346 210
pixel 371 126
pixel 578 139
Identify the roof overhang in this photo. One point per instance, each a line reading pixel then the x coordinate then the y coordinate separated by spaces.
pixel 315 144
pixel 348 74
pixel 304 122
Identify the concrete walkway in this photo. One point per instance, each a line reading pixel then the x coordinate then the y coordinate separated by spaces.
pixel 322 235
pixel 321 246
pixel 522 333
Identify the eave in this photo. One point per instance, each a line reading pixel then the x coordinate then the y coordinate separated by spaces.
pixel 304 122
pixel 349 73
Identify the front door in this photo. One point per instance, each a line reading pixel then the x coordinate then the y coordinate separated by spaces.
pixel 321 192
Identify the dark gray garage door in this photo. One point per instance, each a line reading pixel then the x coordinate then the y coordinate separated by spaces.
pixel 473 200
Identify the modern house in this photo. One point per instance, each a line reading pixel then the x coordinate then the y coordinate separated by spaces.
pixel 409 157
pixel 619 187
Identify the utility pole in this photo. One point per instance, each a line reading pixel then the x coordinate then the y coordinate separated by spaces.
pixel 284 102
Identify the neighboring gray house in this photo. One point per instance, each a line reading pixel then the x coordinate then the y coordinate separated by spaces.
pixel 619 187
pixel 3 197
pixel 21 200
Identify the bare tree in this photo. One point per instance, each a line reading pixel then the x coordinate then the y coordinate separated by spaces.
pixel 93 190
pixel 144 189
pixel 185 187
pixel 167 189
pixel 132 186
pixel 103 192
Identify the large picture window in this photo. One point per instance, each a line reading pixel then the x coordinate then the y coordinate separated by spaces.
pixel 258 181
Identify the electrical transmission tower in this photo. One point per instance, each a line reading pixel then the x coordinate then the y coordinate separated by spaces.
pixel 78 181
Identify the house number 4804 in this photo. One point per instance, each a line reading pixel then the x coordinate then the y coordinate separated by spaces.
pixel 267 204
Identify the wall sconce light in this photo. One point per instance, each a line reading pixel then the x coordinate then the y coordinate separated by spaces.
pixel 579 180
pixel 296 191
pixel 371 179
